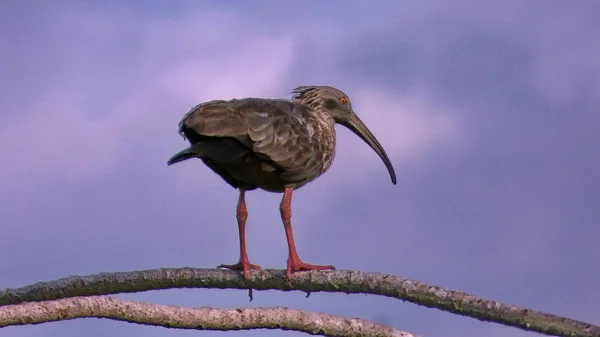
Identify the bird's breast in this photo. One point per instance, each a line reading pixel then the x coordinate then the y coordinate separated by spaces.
pixel 326 141
pixel 319 151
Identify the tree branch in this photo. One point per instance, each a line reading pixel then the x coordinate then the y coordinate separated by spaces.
pixel 192 318
pixel 328 281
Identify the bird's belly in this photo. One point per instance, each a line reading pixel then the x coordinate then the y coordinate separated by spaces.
pixel 264 175
pixel 259 174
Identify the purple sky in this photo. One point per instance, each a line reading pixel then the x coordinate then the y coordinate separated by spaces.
pixel 489 111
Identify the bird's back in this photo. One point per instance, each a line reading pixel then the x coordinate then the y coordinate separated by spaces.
pixel 259 143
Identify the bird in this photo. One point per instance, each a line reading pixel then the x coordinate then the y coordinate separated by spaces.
pixel 277 145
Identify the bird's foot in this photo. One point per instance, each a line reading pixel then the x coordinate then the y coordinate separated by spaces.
pixel 244 266
pixel 295 265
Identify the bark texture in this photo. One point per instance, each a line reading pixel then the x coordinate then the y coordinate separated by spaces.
pixel 192 318
pixel 328 281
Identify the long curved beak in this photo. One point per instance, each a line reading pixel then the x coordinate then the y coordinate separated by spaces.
pixel 360 129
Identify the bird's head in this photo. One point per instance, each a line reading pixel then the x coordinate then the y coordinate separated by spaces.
pixel 337 104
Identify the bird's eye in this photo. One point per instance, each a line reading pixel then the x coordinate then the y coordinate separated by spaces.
pixel 344 100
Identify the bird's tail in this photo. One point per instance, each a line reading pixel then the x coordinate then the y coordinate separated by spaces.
pixel 181 156
pixel 226 151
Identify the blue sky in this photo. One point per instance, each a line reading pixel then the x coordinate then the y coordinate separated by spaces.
pixel 488 110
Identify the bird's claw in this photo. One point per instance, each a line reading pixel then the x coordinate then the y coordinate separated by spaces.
pixel 297 265
pixel 243 266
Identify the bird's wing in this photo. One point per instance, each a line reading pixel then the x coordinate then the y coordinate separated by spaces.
pixel 213 119
pixel 272 129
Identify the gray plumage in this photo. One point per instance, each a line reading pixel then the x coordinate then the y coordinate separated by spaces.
pixel 272 144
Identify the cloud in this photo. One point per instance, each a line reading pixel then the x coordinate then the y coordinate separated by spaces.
pixel 411 123
pixel 563 70
pixel 488 113
pixel 67 133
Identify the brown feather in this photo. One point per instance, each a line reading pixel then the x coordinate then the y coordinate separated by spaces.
pixel 260 143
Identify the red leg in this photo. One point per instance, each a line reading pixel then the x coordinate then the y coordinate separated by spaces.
pixel 243 264
pixel 294 263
